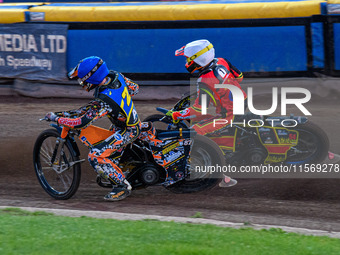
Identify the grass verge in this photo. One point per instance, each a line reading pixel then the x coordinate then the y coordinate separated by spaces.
pixel 24 232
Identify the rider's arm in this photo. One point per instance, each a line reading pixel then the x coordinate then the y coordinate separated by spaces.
pixel 133 87
pixel 70 113
pixel 195 110
pixel 85 115
pixel 236 72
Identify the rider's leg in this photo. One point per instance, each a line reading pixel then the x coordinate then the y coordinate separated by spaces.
pixel 212 124
pixel 104 158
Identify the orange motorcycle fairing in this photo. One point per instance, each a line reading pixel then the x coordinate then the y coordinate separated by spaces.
pixel 92 135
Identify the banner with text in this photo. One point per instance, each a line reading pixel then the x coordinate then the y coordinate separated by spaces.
pixel 33 51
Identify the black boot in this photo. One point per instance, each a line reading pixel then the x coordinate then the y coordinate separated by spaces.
pixel 119 192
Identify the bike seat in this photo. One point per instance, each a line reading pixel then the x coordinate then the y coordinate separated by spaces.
pixel 165 134
pixel 247 116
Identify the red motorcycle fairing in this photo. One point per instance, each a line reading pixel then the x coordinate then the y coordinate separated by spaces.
pixel 277 141
pixel 225 139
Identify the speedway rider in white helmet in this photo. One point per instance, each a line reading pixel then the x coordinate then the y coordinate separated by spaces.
pixel 200 57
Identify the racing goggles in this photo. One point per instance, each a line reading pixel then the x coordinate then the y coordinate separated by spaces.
pixel 82 81
pixel 191 65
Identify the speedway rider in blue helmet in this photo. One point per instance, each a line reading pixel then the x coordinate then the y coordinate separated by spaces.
pixel 111 90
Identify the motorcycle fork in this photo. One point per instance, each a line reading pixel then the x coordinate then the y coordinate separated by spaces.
pixel 59 143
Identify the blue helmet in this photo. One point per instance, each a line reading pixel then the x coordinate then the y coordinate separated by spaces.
pixel 90 72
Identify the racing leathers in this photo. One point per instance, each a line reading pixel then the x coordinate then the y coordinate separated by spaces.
pixel 112 99
pixel 219 71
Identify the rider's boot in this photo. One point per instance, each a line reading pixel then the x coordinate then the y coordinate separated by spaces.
pixel 227 182
pixel 119 192
pixel 332 158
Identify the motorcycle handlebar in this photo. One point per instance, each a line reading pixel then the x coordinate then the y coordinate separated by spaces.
pixel 162 110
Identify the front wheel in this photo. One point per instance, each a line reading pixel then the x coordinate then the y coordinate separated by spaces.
pixel 205 153
pixel 56 165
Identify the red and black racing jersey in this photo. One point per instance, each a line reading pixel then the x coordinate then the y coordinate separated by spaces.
pixel 220 71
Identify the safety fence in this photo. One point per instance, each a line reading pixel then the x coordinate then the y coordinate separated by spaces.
pixel 262 38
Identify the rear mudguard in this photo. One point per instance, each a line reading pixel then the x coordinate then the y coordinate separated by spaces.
pixel 70 140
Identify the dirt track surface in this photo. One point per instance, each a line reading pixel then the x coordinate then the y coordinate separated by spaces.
pixel 308 203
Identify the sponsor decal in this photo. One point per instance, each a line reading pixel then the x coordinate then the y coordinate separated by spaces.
pixel 170 148
pixel 222 72
pixel 167 142
pixel 292 136
pixel 33 51
pixel 184 112
pixel 118 194
pixel 172 156
pixel 282 132
pixel 37 16
pixel 119 176
pixel 145 125
pixel 69 122
pixel 179 175
pixel 187 142
pixel 134 114
pixel 268 140
pixel 117 136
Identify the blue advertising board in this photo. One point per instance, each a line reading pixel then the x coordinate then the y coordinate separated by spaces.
pixel 252 49
pixel 33 51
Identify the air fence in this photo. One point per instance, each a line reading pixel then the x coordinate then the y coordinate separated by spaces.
pixel 40 42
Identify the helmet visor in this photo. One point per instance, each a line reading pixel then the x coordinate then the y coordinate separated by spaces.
pixel 180 52
pixel 82 81
pixel 86 85
pixel 74 73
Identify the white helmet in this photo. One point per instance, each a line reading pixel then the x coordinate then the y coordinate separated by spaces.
pixel 198 53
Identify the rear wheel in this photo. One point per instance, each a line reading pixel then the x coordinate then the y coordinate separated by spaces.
pixel 204 153
pixel 312 147
pixel 61 178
